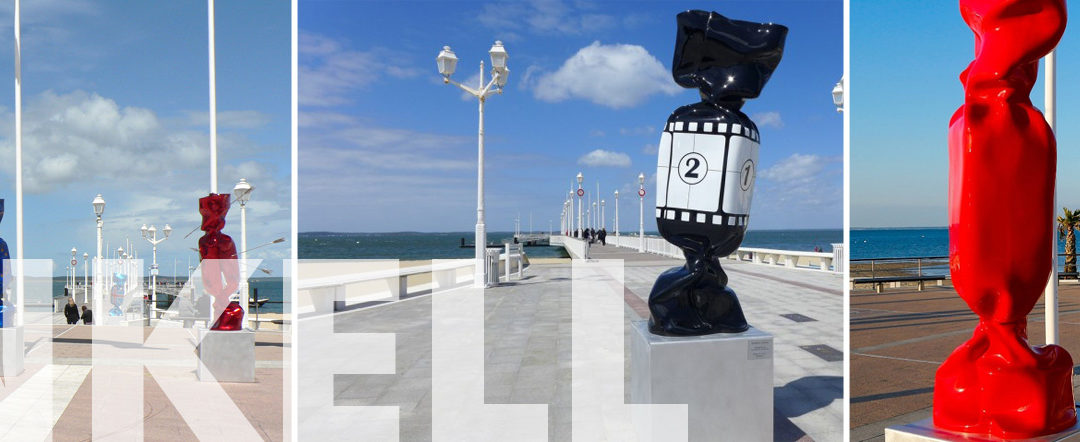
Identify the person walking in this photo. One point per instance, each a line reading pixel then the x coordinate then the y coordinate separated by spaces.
pixel 71 311
pixel 603 236
pixel 87 316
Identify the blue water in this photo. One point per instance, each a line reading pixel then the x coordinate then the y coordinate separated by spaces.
pixel 269 288
pixel 906 243
pixel 421 246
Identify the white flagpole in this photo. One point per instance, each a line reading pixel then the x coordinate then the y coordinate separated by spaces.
pixel 1050 298
pixel 20 301
pixel 213 99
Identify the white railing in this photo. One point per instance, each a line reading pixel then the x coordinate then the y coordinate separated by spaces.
pixel 326 294
pixel 659 246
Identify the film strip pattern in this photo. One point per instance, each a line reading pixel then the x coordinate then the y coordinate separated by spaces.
pixel 693 216
pixel 714 128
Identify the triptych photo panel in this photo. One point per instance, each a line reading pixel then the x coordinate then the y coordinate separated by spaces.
pixel 538 220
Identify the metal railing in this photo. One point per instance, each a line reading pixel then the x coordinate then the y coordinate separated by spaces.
pixel 659 246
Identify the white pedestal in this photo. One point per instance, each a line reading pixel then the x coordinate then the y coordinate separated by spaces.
pixel 924 430
pixel 726 380
pixel 12 350
pixel 226 356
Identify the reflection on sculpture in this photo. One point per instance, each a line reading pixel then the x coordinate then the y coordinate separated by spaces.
pixel 706 168
pixel 220 269
pixel 116 293
pixel 1002 158
pixel 4 256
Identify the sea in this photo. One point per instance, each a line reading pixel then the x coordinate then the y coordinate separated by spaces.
pixel 268 288
pixel 909 243
pixel 412 246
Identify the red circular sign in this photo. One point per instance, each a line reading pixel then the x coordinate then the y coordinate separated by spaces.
pixel 74 261
pixel 641 192
pixel 581 192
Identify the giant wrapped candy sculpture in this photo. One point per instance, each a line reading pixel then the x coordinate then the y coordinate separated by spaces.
pixel 220 269
pixel 1002 160
pixel 706 168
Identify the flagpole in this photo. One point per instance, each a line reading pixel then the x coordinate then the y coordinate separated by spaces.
pixel 1050 298
pixel 20 301
pixel 213 99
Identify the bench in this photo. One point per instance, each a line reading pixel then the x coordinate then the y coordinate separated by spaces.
pixel 879 282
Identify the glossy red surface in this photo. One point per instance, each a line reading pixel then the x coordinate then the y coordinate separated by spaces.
pixel 220 268
pixel 231 318
pixel 1002 164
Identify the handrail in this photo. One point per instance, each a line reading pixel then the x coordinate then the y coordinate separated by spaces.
pixel 660 246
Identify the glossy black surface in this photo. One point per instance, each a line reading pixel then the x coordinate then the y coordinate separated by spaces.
pixel 729 61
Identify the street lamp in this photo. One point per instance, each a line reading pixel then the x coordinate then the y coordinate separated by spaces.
pixel 86 277
pixel 99 298
pixel 242 191
pixel 838 95
pixel 592 216
pixel 150 235
pixel 447 63
pixel 74 266
pixel 641 213
pixel 616 213
pixel 603 223
pixel 581 192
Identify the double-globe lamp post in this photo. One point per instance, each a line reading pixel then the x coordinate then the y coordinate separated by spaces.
pixel 242 192
pixel 74 266
pixel 86 277
pixel 150 235
pixel 99 209
pixel 641 213
pixel 580 194
pixel 616 227
pixel 447 62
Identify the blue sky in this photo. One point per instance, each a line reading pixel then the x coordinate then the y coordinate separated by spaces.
pixel 115 101
pixel 906 58
pixel 385 146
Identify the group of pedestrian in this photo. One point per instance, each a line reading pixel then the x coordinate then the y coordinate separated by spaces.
pixel 593 236
pixel 71 312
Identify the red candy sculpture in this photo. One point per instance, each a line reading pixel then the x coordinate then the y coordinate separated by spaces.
pixel 1002 166
pixel 221 273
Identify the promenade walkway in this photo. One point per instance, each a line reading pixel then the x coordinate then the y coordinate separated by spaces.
pixel 73 367
pixel 528 345
pixel 901 336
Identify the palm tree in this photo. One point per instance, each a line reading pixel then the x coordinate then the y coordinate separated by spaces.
pixel 1067 226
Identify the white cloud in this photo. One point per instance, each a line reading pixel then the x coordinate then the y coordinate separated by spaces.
pixel 641 130
pixel 605 158
pixel 329 72
pixel 768 119
pixel 543 17
pixel 244 119
pixel 650 149
pixel 616 76
pixel 597 133
pixel 796 169
pixel 808 185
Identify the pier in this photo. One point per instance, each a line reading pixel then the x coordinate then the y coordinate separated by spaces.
pixel 527 344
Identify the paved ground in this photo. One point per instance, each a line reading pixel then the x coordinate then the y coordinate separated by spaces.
pixel 71 359
pixel 527 344
pixel 901 336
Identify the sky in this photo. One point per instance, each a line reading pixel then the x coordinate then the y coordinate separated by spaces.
pixel 115 101
pixel 906 59
pixel 385 146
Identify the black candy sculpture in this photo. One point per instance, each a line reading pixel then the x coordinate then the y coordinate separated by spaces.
pixel 706 168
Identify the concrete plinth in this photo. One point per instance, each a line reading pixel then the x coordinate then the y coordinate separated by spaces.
pixel 924 431
pixel 226 356
pixel 12 350
pixel 726 380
